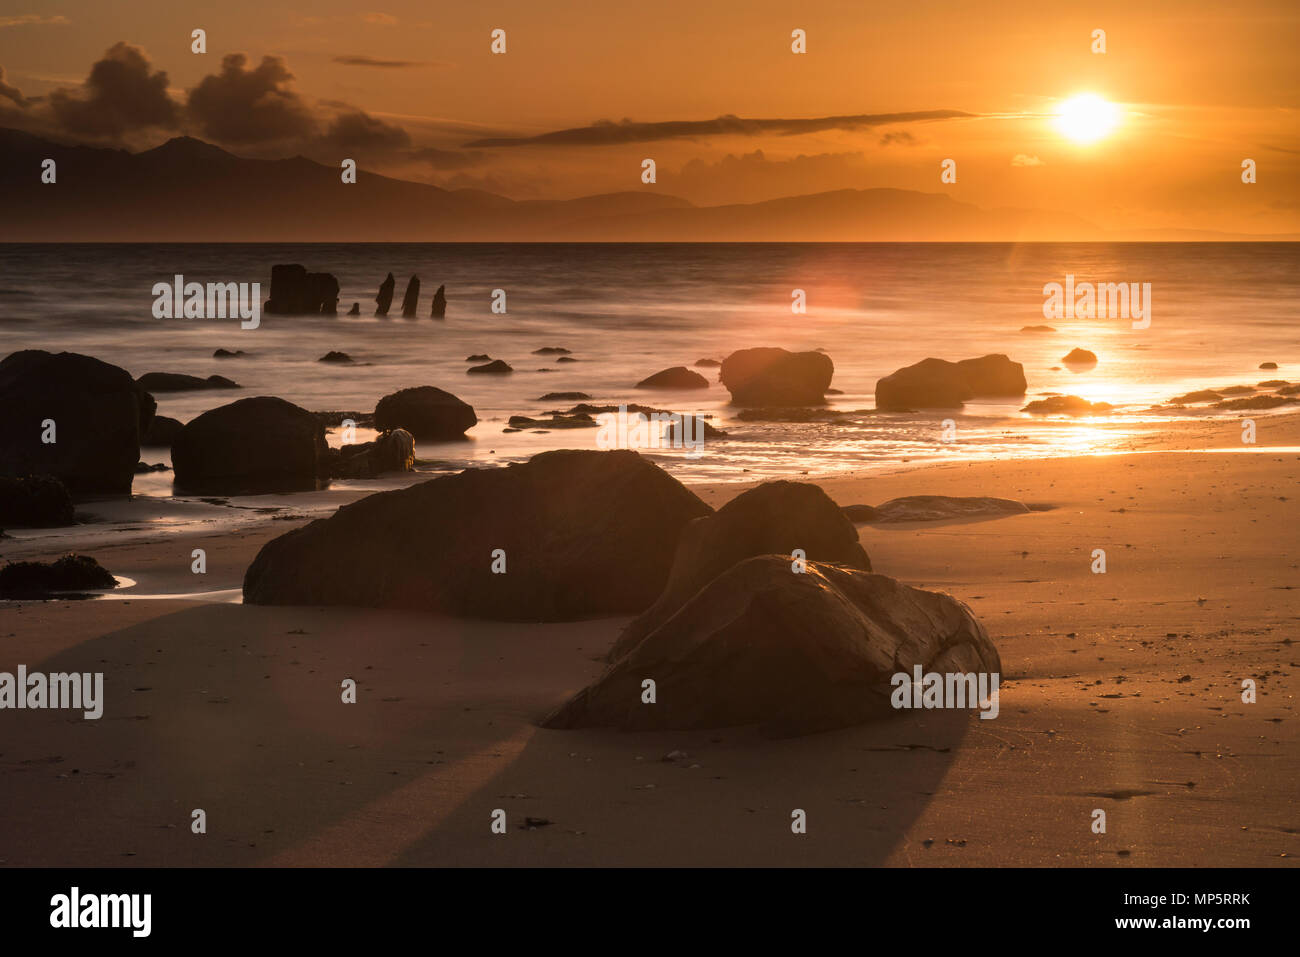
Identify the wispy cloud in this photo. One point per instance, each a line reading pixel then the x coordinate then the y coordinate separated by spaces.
pixel 33 19
pixel 358 60
pixel 607 132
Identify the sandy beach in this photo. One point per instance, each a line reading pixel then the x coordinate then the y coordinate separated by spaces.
pixel 1120 691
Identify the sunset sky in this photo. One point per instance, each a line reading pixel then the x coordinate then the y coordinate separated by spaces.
pixel 406 87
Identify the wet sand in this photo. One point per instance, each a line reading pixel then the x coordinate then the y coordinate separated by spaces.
pixel 1120 692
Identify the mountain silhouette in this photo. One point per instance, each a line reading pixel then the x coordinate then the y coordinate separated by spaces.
pixel 187 190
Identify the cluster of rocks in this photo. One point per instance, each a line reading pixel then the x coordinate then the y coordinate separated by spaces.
pixel 71 573
pixel 720 601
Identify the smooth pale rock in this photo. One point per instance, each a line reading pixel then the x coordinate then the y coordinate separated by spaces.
pixel 777 377
pixel 583 533
pixel 773 519
pixel 426 412
pixel 249 447
pixel 98 413
pixel 937 508
pixel 793 653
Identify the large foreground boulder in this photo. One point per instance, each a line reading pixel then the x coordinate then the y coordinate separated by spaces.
pixel 426 412
pixel 250 447
pixel 793 652
pixel 94 412
pixel 570 534
pixel 939 384
pixel 769 376
pixel 773 519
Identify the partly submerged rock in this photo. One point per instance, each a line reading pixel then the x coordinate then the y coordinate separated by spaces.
pixel 333 356
pixel 937 508
pixel 227 354
pixel 1268 365
pixel 569 534
pixel 775 518
pixel 94 412
pixel 295 291
pixel 551 351
pixel 426 412
pixel 707 363
pixel 384 298
pixel 1256 402
pixel 252 446
pixel 793 653
pixel 1200 395
pixel 937 383
pixel 1080 357
pixel 1037 329
pixel 178 382
pixel 777 377
pixel 563 397
pixel 678 377
pixel 439 309
pixel 411 301
pixel 496 366
pixel 1066 405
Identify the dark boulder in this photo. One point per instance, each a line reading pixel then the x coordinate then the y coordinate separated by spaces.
pixel 551 351
pixel 707 363
pixel 70 573
pixel 178 382
pixel 1256 402
pixel 227 354
pixel 479 357
pixel 411 301
pixel 162 432
pixel 1066 405
pixel 939 384
pixel 773 519
pixel 792 653
pixel 564 397
pixel 691 429
pixel 384 298
pixel 250 447
pixel 678 377
pixel 439 310
pixel 583 533
pixel 859 514
pixel 98 413
pixel 355 310
pixel 425 412
pixel 391 451
pixel 567 359
pixel 34 501
pixel 495 367
pixel 1268 365
pixel 777 377
pixel 333 356
pixel 1080 357
pixel 1200 395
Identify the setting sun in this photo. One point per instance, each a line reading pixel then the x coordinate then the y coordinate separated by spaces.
pixel 1086 118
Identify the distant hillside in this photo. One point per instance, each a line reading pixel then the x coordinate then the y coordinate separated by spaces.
pixel 190 191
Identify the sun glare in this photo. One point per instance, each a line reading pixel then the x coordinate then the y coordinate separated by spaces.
pixel 1086 118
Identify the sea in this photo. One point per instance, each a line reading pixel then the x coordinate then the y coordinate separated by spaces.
pixel 625 311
